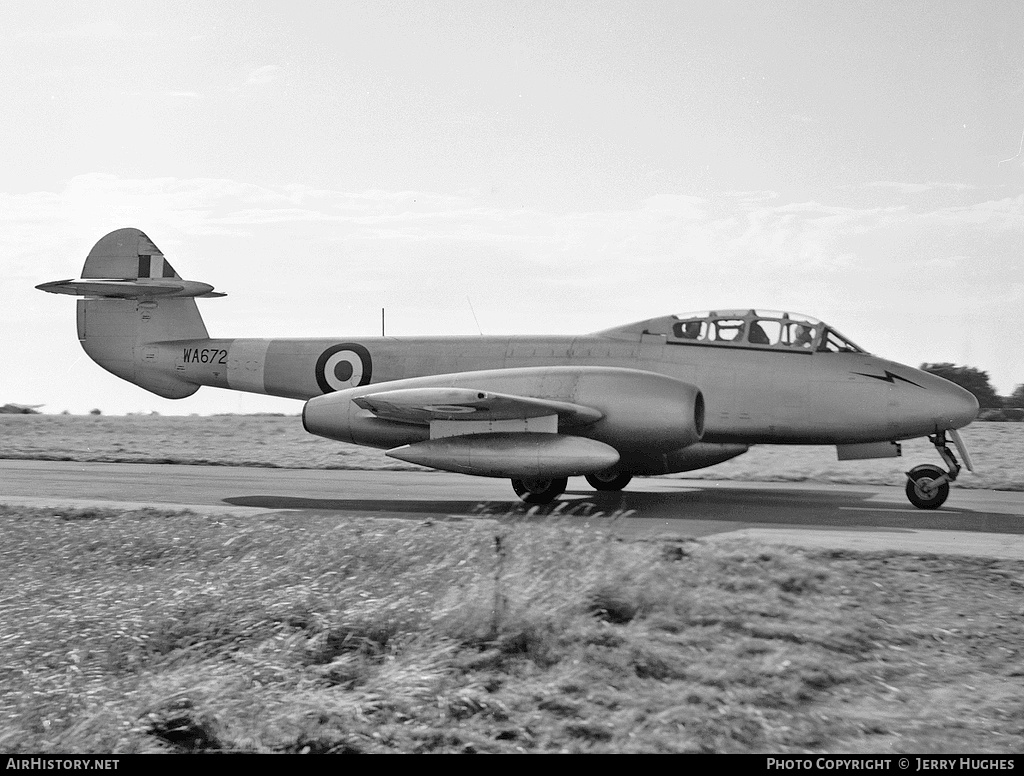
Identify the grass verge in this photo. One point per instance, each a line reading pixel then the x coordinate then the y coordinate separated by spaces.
pixel 151 631
pixel 270 441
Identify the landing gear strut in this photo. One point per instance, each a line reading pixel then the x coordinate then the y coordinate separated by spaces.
pixel 928 485
pixel 538 490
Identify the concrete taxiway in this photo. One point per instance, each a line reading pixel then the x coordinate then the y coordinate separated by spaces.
pixel 865 517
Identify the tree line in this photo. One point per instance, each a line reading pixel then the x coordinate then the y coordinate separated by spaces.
pixel 993 406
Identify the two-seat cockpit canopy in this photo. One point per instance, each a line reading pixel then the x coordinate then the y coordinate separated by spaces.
pixel 768 329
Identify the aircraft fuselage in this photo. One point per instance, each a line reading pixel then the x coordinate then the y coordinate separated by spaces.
pixel 752 396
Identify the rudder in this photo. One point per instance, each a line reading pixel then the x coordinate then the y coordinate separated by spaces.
pixel 115 331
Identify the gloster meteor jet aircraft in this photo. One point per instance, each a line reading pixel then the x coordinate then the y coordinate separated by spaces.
pixel 668 394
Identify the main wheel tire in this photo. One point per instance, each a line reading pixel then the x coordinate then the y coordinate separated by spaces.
pixel 921 476
pixel 609 480
pixel 539 490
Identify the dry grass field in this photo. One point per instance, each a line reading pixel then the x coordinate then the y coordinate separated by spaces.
pixel 222 440
pixel 256 440
pixel 156 631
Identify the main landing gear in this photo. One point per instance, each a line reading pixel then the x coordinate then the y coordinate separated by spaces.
pixel 609 480
pixel 544 490
pixel 928 485
pixel 539 490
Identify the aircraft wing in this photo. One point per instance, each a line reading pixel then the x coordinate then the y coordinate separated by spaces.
pixel 423 405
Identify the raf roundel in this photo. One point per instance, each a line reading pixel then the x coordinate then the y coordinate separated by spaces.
pixel 343 366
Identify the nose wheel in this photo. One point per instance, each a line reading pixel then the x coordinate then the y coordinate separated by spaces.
pixel 928 485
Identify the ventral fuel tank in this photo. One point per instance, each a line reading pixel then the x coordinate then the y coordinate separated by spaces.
pixel 519 455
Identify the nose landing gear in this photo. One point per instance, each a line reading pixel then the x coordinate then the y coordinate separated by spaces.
pixel 928 485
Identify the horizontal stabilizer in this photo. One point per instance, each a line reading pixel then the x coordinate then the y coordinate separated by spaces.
pixel 516 455
pixel 423 405
pixel 142 288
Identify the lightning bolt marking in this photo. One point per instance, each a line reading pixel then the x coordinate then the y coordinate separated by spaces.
pixel 888 377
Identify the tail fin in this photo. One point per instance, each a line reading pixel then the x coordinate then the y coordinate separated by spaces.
pixel 127 253
pixel 133 297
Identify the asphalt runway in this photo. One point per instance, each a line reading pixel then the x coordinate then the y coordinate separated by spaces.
pixel 866 517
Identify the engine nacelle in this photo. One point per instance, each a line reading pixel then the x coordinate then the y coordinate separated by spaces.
pixel 640 411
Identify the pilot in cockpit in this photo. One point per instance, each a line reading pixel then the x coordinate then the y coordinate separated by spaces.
pixel 757 335
pixel 690 330
pixel 804 336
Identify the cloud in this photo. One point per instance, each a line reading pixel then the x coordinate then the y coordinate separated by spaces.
pixel 264 75
pixel 752 239
pixel 757 232
pixel 916 188
pixel 308 261
pixel 107 30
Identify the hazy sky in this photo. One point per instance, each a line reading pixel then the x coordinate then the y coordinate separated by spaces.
pixel 554 167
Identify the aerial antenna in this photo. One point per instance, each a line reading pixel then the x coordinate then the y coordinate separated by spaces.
pixel 1019 151
pixel 474 316
pixel 382 321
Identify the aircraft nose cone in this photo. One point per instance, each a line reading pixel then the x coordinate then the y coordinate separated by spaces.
pixel 964 406
pixel 940 406
pixel 961 406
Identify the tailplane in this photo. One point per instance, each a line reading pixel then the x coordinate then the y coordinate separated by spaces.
pixel 127 265
pixel 133 298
